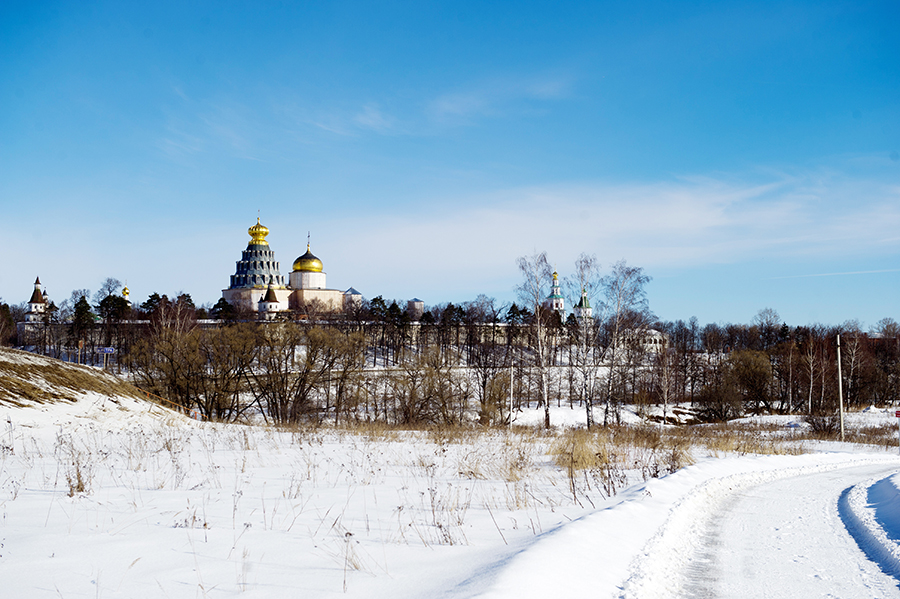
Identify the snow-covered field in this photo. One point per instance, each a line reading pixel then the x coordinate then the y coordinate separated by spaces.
pixel 110 497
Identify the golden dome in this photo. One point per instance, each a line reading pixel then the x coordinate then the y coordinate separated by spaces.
pixel 258 234
pixel 307 262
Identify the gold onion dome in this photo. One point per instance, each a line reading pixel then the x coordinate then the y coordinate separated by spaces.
pixel 307 262
pixel 258 234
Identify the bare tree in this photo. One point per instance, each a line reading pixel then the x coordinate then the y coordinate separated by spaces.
pixel 227 354
pixel 536 274
pixel 767 321
pixel 486 356
pixel 582 289
pixel 293 365
pixel 109 287
pixel 887 360
pixel 664 376
pixel 626 317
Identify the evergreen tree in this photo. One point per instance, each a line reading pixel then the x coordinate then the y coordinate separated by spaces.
pixel 222 310
pixel 83 319
pixel 7 325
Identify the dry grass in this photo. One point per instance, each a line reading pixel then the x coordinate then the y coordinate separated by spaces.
pixel 829 429
pixel 28 378
pixel 742 439
pixel 605 455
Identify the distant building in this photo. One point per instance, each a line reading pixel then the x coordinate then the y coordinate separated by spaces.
pixel 258 285
pixel 415 308
pixel 37 305
pixel 556 300
pixel 125 293
pixel 583 309
pixel 649 340
pixel 352 298
pixel 268 306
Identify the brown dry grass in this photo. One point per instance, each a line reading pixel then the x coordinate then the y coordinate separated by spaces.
pixel 28 378
pixel 879 435
pixel 739 439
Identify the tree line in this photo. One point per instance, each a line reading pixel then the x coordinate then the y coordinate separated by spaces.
pixel 474 361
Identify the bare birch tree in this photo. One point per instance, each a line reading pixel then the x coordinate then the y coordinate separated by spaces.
pixel 626 315
pixel 536 274
pixel 584 286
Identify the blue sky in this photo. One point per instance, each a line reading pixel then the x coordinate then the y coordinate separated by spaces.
pixel 746 155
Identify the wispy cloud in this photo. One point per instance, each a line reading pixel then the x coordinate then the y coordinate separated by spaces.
pixel 840 274
pixel 496 97
pixel 195 127
pixel 684 223
pixel 344 122
pixel 373 118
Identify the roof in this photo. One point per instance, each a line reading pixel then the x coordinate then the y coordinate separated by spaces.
pixel 36 297
pixel 352 291
pixel 270 295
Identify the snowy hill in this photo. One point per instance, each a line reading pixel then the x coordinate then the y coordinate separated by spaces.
pixel 28 379
pixel 103 494
pixel 43 393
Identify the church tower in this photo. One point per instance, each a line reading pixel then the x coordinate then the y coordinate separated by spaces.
pixel 557 302
pixel 583 309
pixel 255 273
pixel 258 286
pixel 257 268
pixel 268 305
pixel 37 305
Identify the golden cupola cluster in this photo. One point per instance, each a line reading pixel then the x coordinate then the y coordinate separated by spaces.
pixel 307 262
pixel 258 285
pixel 258 234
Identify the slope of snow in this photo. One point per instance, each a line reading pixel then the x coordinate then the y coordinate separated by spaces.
pixel 174 508
pixel 871 510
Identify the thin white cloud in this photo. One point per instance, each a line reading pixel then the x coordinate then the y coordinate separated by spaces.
pixel 685 224
pixel 210 127
pixel 840 274
pixel 496 97
pixel 373 118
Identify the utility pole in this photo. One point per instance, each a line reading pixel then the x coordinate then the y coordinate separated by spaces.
pixel 510 391
pixel 840 387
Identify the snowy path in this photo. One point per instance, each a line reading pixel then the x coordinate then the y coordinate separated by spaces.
pixel 764 526
pixel 786 538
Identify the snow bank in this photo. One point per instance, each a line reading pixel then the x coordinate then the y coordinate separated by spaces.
pixel 871 512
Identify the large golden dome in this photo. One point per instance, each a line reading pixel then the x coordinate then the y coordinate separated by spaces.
pixel 258 234
pixel 307 262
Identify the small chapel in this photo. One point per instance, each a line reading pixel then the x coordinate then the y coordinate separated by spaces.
pixel 258 285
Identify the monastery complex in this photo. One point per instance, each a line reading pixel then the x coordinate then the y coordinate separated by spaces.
pixel 258 285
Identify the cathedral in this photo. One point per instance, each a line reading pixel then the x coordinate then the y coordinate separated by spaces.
pixel 258 285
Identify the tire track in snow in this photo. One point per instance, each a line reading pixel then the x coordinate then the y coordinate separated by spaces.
pixel 709 547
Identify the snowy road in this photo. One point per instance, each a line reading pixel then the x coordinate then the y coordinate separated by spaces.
pixel 824 525
pixel 787 538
